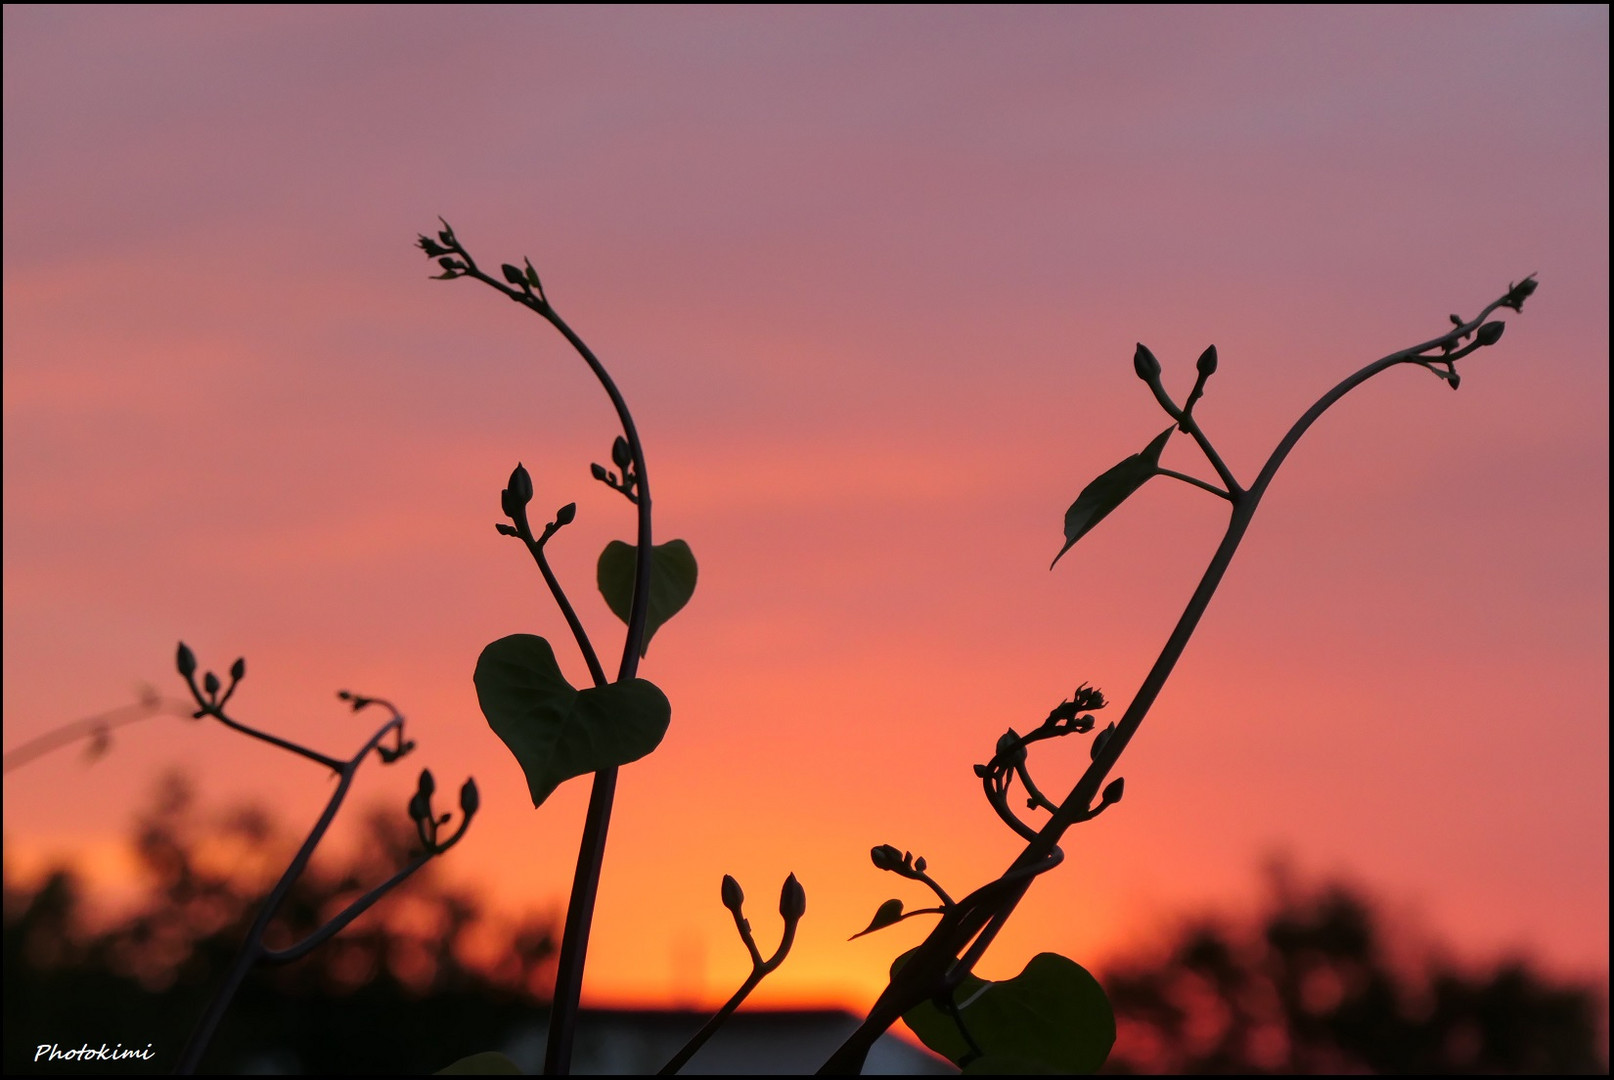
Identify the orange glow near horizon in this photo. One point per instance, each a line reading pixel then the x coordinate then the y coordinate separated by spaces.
pixel 870 281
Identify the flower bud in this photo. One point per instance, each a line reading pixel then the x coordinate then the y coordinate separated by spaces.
pixel 210 683
pixel 1207 362
pixel 621 454
pixel 470 798
pixel 1144 363
pixel 792 900
pixel 1010 748
pixel 565 514
pixel 1113 790
pixel 919 864
pixel 1517 294
pixel 520 486
pixel 419 809
pixel 1490 333
pixel 1100 739
pixel 427 785
pixel 238 669
pixel 598 472
pixel 185 660
pixel 886 857
pixel 513 275
pixel 733 895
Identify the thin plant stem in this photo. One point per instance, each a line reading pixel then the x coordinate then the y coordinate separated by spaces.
pixel 1194 480
pixel 252 949
pixel 974 923
pixel 596 672
pixel 339 922
pixel 91 727
pixel 699 1039
pixel 597 822
pixel 759 970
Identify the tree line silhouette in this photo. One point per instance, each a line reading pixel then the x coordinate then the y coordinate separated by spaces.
pixel 1310 984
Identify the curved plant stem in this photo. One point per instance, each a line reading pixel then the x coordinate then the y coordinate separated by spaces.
pixel 347 915
pixel 91 727
pixel 596 672
pixel 760 969
pixel 708 1029
pixel 591 852
pixel 974 922
pixel 252 949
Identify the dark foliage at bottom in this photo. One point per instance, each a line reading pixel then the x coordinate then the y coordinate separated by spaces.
pixel 396 992
pixel 1319 984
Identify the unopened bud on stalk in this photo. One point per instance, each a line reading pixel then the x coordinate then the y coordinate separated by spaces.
pixel 470 798
pixel 1114 790
pixel 1490 333
pixel 1207 362
pixel 792 900
pixel 886 857
pixel 1100 739
pixel 1144 363
pixel 565 514
pixel 238 669
pixel 186 660
pixel 733 895
pixel 520 486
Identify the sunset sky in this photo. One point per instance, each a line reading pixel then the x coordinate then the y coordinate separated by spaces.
pixel 871 281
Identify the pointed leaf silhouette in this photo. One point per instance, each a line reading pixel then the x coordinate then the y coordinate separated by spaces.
pixel 672 582
pixel 888 914
pixel 1111 490
pixel 555 731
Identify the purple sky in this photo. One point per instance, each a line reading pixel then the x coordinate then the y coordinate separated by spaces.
pixel 871 280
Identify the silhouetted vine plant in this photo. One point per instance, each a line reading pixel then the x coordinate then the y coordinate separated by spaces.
pixel 1053 1016
pixel 211 696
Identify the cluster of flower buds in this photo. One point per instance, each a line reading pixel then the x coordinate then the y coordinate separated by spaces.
pixel 1068 715
pixel 1518 294
pixel 886 857
pixel 792 906
pixel 443 249
pixel 428 822
pixel 622 458
pixel 525 280
pixel 185 661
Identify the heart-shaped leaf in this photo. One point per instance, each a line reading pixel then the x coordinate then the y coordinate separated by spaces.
pixel 487 1063
pixel 888 914
pixel 1052 1017
pixel 557 732
pixel 672 582
pixel 1111 490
